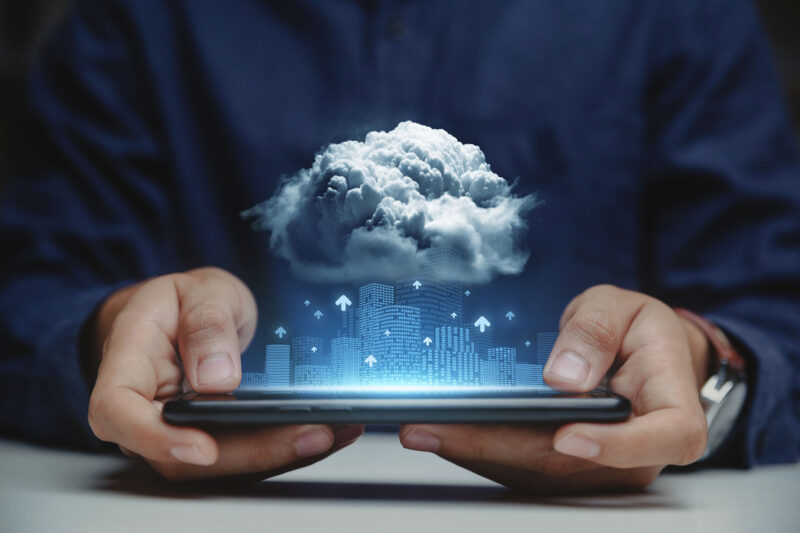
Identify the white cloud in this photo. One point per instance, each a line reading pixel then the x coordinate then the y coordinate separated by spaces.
pixel 376 209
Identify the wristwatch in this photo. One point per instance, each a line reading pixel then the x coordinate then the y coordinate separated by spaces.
pixel 724 394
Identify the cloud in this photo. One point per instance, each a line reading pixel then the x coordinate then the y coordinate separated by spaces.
pixel 384 208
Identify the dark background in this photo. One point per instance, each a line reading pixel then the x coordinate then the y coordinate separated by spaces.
pixel 24 23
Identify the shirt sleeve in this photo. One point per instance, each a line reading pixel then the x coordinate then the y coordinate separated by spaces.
pixel 722 209
pixel 84 213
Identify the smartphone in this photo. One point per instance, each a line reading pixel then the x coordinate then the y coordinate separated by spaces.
pixel 396 406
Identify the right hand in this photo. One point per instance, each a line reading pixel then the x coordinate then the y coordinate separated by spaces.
pixel 149 337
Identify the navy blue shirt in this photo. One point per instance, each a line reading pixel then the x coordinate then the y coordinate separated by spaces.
pixel 653 132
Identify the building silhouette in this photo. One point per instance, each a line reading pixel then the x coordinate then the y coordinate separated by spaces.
pixel 306 351
pixel 506 359
pixel 395 342
pixel 371 297
pixel 489 373
pixel 545 341
pixel 312 375
pixel 277 365
pixel 451 359
pixel 345 361
pixel 529 375
pixel 484 340
pixel 252 381
pixel 434 292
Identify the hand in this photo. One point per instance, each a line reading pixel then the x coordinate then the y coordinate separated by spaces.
pixel 150 337
pixel 660 361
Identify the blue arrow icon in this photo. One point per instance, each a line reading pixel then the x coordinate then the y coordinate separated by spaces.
pixel 467 293
pixel 343 302
pixel 280 332
pixel 510 315
pixel 482 323
pixel 427 341
pixel 307 303
pixel 453 315
pixel 370 360
pixel 527 344
pixel 314 349
pixel 318 314
pixel 387 332
pixel 417 284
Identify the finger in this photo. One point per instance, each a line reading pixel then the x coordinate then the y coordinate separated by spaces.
pixel 666 436
pixel 217 321
pixel 523 447
pixel 258 452
pixel 139 362
pixel 669 426
pixel 119 414
pixel 593 328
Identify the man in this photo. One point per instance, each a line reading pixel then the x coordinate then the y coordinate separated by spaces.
pixel 653 132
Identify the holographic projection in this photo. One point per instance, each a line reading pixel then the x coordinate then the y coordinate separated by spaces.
pixel 410 221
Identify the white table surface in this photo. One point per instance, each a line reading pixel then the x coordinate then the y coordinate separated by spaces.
pixel 374 485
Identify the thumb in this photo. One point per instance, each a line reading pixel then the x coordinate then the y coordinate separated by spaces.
pixel 216 322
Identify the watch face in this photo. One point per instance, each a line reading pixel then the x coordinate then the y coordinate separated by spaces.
pixel 727 412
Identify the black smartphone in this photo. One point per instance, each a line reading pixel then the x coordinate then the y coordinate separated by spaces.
pixel 360 406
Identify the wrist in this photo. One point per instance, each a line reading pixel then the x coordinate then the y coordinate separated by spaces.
pixel 700 348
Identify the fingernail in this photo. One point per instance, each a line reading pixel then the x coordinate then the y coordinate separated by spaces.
pixel 191 454
pixel 569 367
pixel 214 369
pixel 312 442
pixel 577 446
pixel 421 440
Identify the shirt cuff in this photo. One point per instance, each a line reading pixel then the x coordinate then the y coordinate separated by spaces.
pixel 766 429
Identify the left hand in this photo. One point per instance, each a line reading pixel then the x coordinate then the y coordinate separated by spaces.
pixel 660 360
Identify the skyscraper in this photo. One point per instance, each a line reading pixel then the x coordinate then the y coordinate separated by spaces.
pixel 348 328
pixel 311 375
pixel 506 364
pixel 395 343
pixel 277 365
pixel 489 373
pixel 529 375
pixel 451 359
pixel 253 381
pixel 435 291
pixel 544 345
pixel 371 297
pixel 346 360
pixel 306 351
pixel 483 339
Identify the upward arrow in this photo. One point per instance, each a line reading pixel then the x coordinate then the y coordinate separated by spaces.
pixel 314 349
pixel 528 344
pixel 467 293
pixel 427 341
pixel 370 360
pixel 417 284
pixel 453 314
pixel 343 302
pixel 510 315
pixel 307 303
pixel 280 332
pixel 387 332
pixel 318 314
pixel 482 323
